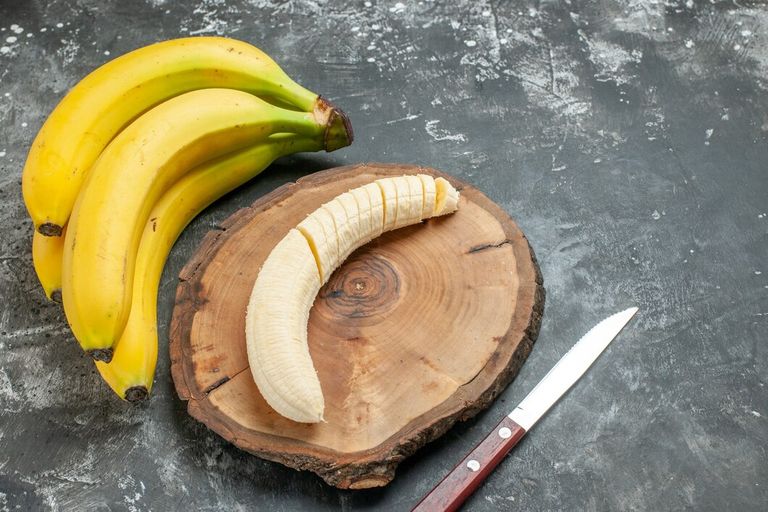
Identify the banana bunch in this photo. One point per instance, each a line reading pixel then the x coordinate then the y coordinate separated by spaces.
pixel 130 156
pixel 292 274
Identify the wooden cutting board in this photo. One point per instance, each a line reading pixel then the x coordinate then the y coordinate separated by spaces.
pixel 420 328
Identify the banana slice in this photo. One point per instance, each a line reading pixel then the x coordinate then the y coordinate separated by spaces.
pixel 428 185
pixel 377 208
pixel 389 197
pixel 292 274
pixel 415 199
pixel 404 217
pixel 319 228
pixel 447 197
pixel 320 232
pixel 368 228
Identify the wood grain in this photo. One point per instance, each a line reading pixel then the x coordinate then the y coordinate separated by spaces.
pixel 419 329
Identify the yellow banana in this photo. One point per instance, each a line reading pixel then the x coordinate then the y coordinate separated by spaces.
pixel 46 256
pixel 133 172
pixel 130 373
pixel 292 274
pixel 109 98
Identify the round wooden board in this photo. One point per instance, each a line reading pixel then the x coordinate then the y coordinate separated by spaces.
pixel 418 329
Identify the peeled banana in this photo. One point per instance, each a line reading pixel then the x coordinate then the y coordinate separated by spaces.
pixel 130 372
pixel 292 274
pixel 133 172
pixel 111 97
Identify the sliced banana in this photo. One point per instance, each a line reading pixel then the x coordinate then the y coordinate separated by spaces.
pixel 292 274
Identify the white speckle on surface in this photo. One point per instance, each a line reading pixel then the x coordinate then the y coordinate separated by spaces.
pixel 44 29
pixel 655 215
pixel 409 117
pixel 473 465
pixel 2 154
pixel 68 51
pixel 708 133
pixel 368 4
pixel 744 33
pixel 689 43
pixel 455 25
pixel 7 95
pixel 59 25
pixel 214 20
pixel 397 8
pixel 532 12
pixel 689 4
pixel 11 39
pixel 611 60
pixel 439 134
pixel 737 47
pixel 106 52
pixel 16 29
pixel 23 125
pixel 486 14
pixel 757 272
pixel 756 414
pixel 4 50
pixel 470 43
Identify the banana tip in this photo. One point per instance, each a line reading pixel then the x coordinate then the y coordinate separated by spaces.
pixel 49 229
pixel 56 296
pixel 101 354
pixel 136 394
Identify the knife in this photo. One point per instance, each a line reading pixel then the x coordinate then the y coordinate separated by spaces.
pixel 467 476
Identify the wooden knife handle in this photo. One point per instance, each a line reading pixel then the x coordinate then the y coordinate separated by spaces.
pixel 467 476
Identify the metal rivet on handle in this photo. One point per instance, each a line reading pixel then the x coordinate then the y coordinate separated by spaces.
pixel 504 432
pixel 473 465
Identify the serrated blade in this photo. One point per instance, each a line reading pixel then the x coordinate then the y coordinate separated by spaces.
pixel 569 369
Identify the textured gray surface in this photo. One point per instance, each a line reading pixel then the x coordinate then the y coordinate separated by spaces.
pixel 626 137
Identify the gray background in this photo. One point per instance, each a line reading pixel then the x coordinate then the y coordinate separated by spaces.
pixel 626 137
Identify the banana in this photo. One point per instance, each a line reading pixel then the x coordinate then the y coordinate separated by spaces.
pixel 46 257
pixel 292 274
pixel 133 172
pixel 111 97
pixel 130 373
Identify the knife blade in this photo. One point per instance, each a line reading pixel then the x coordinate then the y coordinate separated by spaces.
pixel 467 476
